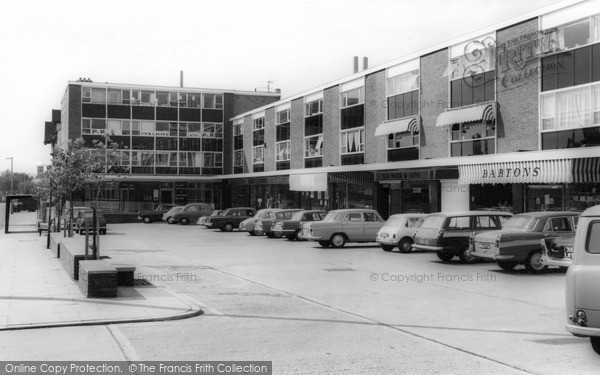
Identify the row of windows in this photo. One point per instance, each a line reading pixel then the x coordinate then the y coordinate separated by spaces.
pixel 151 128
pixel 169 159
pixel 151 98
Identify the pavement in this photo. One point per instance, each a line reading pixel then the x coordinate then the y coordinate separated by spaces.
pixel 36 292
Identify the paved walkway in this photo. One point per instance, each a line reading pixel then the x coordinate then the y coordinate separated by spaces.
pixel 35 291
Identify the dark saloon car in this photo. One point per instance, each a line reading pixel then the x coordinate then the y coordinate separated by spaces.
pixel 230 218
pixel 85 221
pixel 265 225
pixel 291 228
pixel 449 233
pixel 519 241
pixel 341 226
pixel 156 215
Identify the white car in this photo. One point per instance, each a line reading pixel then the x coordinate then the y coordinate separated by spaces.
pixel 398 230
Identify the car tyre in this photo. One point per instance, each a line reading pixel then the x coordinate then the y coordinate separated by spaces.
pixel 506 265
pixel 324 243
pixel 337 240
pixel 595 341
pixel 465 255
pixel 445 257
pixel 147 219
pixel 387 247
pixel 228 227
pixel 533 262
pixel 405 245
pixel 270 235
pixel 291 237
pixel 170 220
pixel 184 221
pixel 277 235
pixel 252 233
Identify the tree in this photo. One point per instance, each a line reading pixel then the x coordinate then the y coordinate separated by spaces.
pixel 22 183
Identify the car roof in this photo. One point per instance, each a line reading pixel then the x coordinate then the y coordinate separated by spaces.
pixel 240 208
pixel 353 210
pixel 471 213
pixel 407 215
pixel 545 214
pixel 592 211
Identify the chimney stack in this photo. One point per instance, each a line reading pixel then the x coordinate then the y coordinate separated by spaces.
pixel 355 64
pixel 365 63
pixel 181 78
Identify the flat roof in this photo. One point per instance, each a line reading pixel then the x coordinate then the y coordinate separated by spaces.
pixel 492 28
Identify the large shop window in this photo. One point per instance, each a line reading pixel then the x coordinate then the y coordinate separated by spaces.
pixel 570 118
pixel 473 138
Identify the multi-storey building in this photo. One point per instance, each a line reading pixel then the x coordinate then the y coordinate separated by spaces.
pixel 175 142
pixel 505 118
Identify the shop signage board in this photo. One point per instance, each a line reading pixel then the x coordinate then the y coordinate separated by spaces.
pixel 541 171
pixel 421 174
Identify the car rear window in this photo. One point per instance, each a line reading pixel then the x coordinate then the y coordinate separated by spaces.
pixel 522 223
pixel 459 222
pixel 487 222
pixel 592 244
pixel 331 216
pixel 433 222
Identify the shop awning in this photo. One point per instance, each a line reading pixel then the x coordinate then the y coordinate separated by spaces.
pixel 586 170
pixel 397 126
pixel 469 114
pixel 359 178
pixel 308 182
pixel 540 171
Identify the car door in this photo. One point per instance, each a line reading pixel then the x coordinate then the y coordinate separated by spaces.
pixel 353 226
pixel 559 226
pixel 372 224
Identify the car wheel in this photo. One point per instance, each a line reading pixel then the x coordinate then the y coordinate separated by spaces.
pixel 324 243
pixel 170 221
pixel 445 257
pixel 228 227
pixel 534 264
pixel 258 232
pixel 252 233
pixel 465 255
pixel 277 235
pixel 405 245
pixel 595 341
pixel 270 235
pixel 338 240
pixel 291 237
pixel 147 219
pixel 505 265
pixel 387 247
pixel 184 221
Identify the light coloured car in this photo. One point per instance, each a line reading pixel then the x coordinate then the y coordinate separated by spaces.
pixel 557 251
pixel 204 219
pixel 190 213
pixel 168 216
pixel 248 224
pixel 266 225
pixel 291 228
pixel 398 231
pixel 342 226
pixel 583 278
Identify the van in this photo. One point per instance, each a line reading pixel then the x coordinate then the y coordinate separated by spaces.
pixel 583 278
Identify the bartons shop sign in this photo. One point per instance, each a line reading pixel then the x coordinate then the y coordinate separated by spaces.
pixel 542 171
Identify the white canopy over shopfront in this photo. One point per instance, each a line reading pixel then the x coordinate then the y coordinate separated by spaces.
pixel 538 171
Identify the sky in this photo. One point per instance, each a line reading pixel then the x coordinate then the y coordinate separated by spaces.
pixel 239 45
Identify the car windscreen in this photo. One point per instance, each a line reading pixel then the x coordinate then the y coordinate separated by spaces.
pixel 522 223
pixel 433 222
pixel 393 222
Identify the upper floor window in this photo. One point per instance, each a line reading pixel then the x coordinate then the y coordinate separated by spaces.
pixel 353 97
pixel 93 95
pixel 212 101
pixel 313 108
pixel 574 108
pixel 282 151
pixel 283 116
pixel 238 129
pixel 353 141
pixel 238 158
pixel 473 138
pixel 258 154
pixel 212 130
pixel 403 83
pixel 574 34
pixel 258 123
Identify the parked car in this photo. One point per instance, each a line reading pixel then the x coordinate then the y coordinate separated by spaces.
pixel 231 218
pixel 448 234
pixel 66 216
pixel 583 278
pixel 247 225
pixel 168 216
pixel 265 225
pixel 203 220
pixel 85 222
pixel 399 230
pixel 519 241
pixel 341 226
pixel 557 251
pixel 190 213
pixel 291 228
pixel 156 215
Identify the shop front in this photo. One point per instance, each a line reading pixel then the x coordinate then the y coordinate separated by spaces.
pixel 263 192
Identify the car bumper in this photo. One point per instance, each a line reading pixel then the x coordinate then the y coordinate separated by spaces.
pixel 484 255
pixel 310 238
pixel 582 331
pixel 386 241
pixel 426 247
pixel 547 261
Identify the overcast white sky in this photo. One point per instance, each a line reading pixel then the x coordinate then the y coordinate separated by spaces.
pixel 218 44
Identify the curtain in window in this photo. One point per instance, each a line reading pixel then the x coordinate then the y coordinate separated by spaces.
pixel 147 159
pixel 162 159
pixel 319 145
pixel 98 96
pixel 573 108
pixel 403 83
pixel 114 96
pixel 147 126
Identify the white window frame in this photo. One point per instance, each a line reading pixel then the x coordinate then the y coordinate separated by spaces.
pixel 407 134
pixel 361 97
pixel 258 154
pixel 318 150
pixel 308 105
pixel 238 129
pixel 217 101
pixel 593 23
pixel 241 158
pixel 281 146
pixel 345 133
pixel 258 123
pixel 217 159
pixel 593 88
pixel 278 117
pixel 216 127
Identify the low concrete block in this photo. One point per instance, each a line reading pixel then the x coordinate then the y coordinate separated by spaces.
pixel 97 279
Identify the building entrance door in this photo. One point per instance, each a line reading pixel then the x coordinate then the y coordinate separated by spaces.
pixel 166 196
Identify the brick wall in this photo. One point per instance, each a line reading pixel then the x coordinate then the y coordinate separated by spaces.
pixel 270 139
pixel 297 134
pixel 375 114
pixel 517 94
pixel 331 126
pixel 74 117
pixel 434 96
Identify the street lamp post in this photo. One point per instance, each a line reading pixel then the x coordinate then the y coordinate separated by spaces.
pixel 11 174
